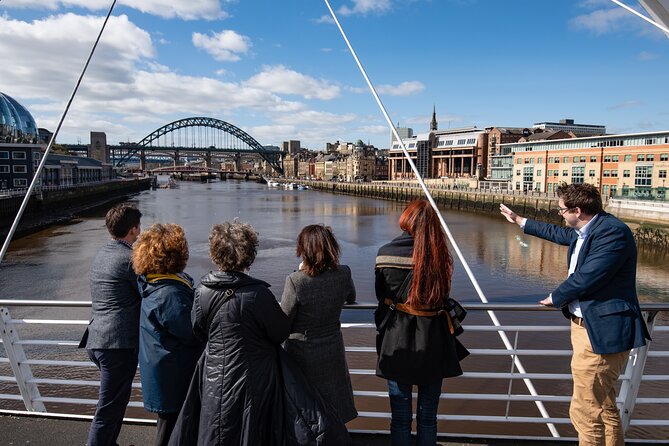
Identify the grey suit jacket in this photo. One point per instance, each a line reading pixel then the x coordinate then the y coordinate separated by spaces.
pixel 116 302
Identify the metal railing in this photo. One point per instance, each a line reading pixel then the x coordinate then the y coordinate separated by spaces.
pixel 484 395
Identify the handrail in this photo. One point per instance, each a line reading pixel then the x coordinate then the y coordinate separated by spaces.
pixel 486 394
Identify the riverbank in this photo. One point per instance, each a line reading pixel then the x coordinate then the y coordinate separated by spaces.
pixel 52 206
pixel 650 227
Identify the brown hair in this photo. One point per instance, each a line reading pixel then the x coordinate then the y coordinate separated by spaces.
pixel 432 263
pixel 584 196
pixel 161 249
pixel 318 248
pixel 121 219
pixel 233 245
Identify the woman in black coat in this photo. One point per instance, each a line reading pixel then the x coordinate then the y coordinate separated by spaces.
pixel 415 345
pixel 237 386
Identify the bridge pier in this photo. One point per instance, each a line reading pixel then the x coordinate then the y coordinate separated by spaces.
pixel 238 161
pixel 207 160
pixel 176 158
pixel 142 161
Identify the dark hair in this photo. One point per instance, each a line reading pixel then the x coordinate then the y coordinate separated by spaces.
pixel 583 196
pixel 432 263
pixel 161 249
pixel 318 248
pixel 121 219
pixel 233 245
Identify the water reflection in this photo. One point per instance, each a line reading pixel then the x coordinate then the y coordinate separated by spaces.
pixel 509 266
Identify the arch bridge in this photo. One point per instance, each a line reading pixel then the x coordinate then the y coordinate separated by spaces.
pixel 198 136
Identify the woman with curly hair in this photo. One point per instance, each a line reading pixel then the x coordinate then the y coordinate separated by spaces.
pixel 414 342
pixel 168 349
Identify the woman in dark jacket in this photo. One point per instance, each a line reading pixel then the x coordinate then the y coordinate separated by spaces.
pixel 168 350
pixel 237 386
pixel 313 298
pixel 415 345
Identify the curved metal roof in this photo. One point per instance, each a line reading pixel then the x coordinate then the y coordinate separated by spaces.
pixel 15 120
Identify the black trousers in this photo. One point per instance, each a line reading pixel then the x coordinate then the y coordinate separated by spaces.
pixel 166 422
pixel 117 370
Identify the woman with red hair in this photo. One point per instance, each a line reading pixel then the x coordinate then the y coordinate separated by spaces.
pixel 414 343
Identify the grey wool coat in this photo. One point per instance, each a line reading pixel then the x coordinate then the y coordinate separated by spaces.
pixel 313 305
pixel 116 302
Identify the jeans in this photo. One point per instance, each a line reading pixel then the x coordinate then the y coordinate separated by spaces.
pixel 117 370
pixel 426 413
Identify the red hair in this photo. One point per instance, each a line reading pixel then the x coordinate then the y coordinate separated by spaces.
pixel 432 263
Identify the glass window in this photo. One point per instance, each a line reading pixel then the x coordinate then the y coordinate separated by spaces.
pixel 650 157
pixel 607 173
pixel 575 159
pixel 4 155
pixel 517 185
pixel 577 174
pixel 628 157
pixel 20 169
pixel 626 173
pixel 4 168
pixel 20 182
pixel 539 172
pixel 641 157
pixel 607 158
pixel 540 160
pixel 565 159
pixel 643 176
pixel 518 172
pixel 593 159
pixel 565 173
pixel 591 173
pixel 461 142
pixel 663 156
pixel 605 190
pixel 19 155
pixel 550 159
pixel 614 173
pixel 662 173
pixel 615 158
pixel 519 160
pixel 582 159
pixel 528 175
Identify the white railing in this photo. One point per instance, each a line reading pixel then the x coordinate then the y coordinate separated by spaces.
pixel 482 398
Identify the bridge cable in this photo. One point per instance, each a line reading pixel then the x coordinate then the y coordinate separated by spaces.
pixel 638 14
pixel 462 259
pixel 38 172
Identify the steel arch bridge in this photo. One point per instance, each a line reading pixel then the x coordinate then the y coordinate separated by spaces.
pixel 200 135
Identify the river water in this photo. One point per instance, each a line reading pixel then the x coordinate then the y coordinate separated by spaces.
pixel 509 266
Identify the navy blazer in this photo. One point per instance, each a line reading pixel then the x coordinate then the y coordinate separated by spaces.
pixel 604 282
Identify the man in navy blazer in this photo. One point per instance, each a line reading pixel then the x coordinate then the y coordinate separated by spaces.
pixel 599 297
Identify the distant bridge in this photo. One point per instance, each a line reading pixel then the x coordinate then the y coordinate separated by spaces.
pixel 199 136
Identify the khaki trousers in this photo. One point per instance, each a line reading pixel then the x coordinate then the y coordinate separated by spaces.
pixel 593 410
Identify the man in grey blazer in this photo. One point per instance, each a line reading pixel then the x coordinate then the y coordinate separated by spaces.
pixel 599 297
pixel 112 336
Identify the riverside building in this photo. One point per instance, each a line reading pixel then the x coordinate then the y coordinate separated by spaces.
pixel 627 165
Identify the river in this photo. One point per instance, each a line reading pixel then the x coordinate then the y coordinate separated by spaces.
pixel 509 266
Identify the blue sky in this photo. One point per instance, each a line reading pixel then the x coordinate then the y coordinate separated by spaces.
pixel 280 69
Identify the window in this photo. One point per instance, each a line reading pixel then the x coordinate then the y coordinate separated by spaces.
pixel 556 173
pixel 607 173
pixel 550 159
pixel 582 159
pixel 614 173
pixel 540 160
pixel 650 157
pixel 591 173
pixel 539 172
pixel 4 155
pixel 412 145
pixel 607 158
pixel 649 141
pixel 626 173
pixel 20 182
pixel 462 142
pixel 593 159
pixel 661 174
pixel 565 159
pixel 565 173
pixel 628 158
pixel 605 190
pixel 641 157
pixel 19 155
pixel 519 161
pixel 448 143
pixel 643 176
pixel 614 190
pixel 517 185
pixel 577 174
pixel 20 169
pixel 471 141
pixel 615 158
pixel 528 175
pixel 663 156
pixel 4 168
pixel 575 159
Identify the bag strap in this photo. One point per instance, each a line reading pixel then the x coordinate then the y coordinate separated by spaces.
pixel 217 306
pixel 403 291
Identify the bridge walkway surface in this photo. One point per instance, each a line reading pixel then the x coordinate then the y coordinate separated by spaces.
pixel 53 431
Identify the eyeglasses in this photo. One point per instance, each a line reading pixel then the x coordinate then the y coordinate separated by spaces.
pixel 562 210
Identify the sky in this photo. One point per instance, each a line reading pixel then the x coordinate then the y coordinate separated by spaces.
pixel 280 69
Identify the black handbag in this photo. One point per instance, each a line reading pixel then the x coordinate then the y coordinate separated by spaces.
pixel 456 314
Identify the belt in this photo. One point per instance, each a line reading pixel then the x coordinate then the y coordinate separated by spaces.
pixel 577 320
pixel 416 311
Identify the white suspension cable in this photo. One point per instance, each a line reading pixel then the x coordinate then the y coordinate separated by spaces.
pixel 638 14
pixel 38 173
pixel 491 314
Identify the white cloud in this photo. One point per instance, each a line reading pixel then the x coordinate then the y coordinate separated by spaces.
pixel 366 7
pixel 184 9
pixel 626 105
pixel 646 55
pixel 226 46
pixel 325 19
pixel 313 117
pixel 404 89
pixel 373 129
pixel 603 21
pixel 281 80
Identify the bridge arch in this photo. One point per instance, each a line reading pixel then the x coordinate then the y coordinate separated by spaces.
pixel 249 144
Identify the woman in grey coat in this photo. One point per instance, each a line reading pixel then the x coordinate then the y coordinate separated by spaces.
pixel 313 298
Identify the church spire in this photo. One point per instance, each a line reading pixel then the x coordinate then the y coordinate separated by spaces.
pixel 433 124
